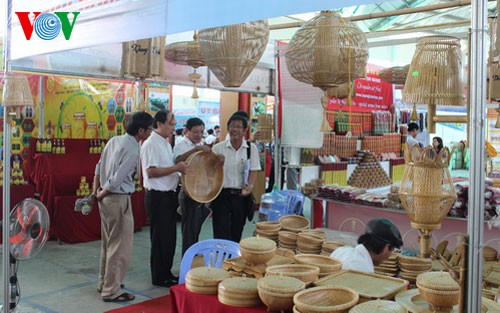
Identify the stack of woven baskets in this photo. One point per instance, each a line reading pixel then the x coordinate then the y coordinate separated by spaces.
pixel 287 240
pixel 332 299
pixel 329 246
pixel 268 230
pixel 326 264
pixel 239 291
pixel 411 267
pixel 294 223
pixel 277 291
pixel 439 289
pixel 205 280
pixel 257 250
pixel 389 267
pixel 308 242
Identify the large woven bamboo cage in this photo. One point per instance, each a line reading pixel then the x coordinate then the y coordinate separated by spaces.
pixel 327 51
pixel 232 52
pixel 427 192
pixel 394 75
pixel 435 74
pixel 143 58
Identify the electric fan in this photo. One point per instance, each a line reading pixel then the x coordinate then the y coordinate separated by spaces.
pixel 28 231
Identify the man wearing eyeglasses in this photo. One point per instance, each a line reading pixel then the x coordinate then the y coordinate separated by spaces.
pixel 161 178
pixel 375 246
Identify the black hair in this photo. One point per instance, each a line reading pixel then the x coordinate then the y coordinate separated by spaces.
pixel 194 121
pixel 371 243
pixel 160 117
pixel 216 127
pixel 137 121
pixel 440 141
pixel 413 126
pixel 178 131
pixel 238 117
pixel 210 131
pixel 241 113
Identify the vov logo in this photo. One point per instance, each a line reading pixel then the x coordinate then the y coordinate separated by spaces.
pixel 47 26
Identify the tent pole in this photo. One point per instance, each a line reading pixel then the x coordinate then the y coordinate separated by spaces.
pixel 277 141
pixel 477 123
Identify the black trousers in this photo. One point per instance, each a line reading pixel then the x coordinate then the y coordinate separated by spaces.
pixel 229 215
pixel 162 210
pixel 193 216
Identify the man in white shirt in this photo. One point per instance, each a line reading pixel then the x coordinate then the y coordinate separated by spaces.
pixel 241 163
pixel 193 213
pixel 161 178
pixel 411 139
pixel 381 237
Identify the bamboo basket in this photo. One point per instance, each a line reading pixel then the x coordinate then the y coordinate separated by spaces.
pixel 331 299
pixel 294 223
pixel 378 306
pixel 303 272
pixel 239 292
pixel 257 250
pixel 394 75
pixel 435 73
pixel 232 52
pixel 268 226
pixel 277 291
pixel 205 180
pixel 427 191
pixel 438 288
pixel 205 279
pixel 265 127
pixel 326 264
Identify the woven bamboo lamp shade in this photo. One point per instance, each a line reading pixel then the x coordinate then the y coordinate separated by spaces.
pixel 435 72
pixel 187 53
pixel 232 52
pixel 325 52
pixel 143 58
pixel 427 192
pixel 16 93
pixel 394 75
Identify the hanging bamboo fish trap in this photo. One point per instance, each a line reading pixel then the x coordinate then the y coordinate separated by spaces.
pixel 143 58
pixel 232 52
pixel 187 53
pixel 427 191
pixel 327 51
pixel 394 75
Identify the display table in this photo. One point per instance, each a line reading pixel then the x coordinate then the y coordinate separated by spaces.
pixel 56 178
pixel 351 217
pixel 185 301
pixel 73 227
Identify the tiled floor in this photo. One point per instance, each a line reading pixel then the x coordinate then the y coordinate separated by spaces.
pixel 63 277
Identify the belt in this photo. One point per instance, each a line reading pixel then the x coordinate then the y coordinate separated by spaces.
pixel 232 191
pixel 121 194
pixel 153 190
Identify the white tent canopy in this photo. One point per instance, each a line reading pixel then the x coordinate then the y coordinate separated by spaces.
pixel 112 21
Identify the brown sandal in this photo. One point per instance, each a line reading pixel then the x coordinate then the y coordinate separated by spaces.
pixel 124 297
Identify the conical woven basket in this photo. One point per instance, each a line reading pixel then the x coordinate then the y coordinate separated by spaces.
pixel 329 299
pixel 232 52
pixel 185 53
pixel 427 191
pixel 435 73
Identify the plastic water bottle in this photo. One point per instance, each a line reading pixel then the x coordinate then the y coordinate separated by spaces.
pixel 272 206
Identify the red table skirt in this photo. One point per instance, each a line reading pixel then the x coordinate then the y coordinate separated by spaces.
pixel 17 194
pixel 185 301
pixel 72 227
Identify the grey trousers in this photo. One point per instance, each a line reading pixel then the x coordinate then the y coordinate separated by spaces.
pixel 117 231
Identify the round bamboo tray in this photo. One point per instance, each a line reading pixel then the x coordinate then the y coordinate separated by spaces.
pixel 378 306
pixel 326 264
pixel 306 273
pixel 294 223
pixel 331 299
pixel 205 179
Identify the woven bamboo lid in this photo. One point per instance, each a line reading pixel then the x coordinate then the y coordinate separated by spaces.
pixel 244 285
pixel 205 179
pixel 378 306
pixel 207 274
pixel 437 281
pixel 257 244
pixel 281 284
